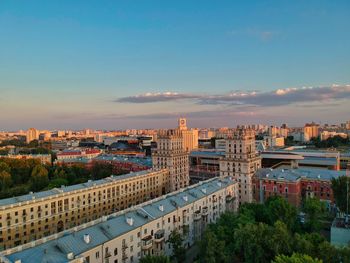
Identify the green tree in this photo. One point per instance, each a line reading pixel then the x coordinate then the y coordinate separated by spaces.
pixel 252 243
pixel 155 259
pixel 296 258
pixel 281 239
pixel 314 210
pixel 5 167
pixel 39 178
pixel 212 249
pixel 339 186
pixel 176 241
pixel 279 209
pixel 5 180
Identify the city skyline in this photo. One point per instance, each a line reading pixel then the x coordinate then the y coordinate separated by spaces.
pixel 118 65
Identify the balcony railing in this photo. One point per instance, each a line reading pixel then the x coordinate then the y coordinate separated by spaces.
pixel 159 236
pixel 205 211
pixel 197 215
pixel 147 242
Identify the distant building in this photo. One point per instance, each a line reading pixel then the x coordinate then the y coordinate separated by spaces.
pixel 241 161
pixel 329 134
pixel 171 154
pixel 294 157
pixel 190 137
pixel 134 233
pixel 205 164
pixel 311 130
pixel 74 154
pixel 32 134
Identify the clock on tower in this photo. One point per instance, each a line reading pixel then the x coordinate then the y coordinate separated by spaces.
pixel 182 124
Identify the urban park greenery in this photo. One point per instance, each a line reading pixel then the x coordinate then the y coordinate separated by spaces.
pixel 270 232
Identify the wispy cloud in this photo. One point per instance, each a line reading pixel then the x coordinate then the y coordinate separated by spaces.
pixel 277 97
pixel 156 97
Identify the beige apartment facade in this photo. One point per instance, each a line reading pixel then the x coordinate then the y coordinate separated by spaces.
pixel 129 235
pixel 36 215
pixel 170 154
pixel 241 161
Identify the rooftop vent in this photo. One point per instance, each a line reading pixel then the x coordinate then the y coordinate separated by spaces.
pixel 204 190
pixel 87 238
pixel 70 255
pixel 185 198
pixel 219 184
pixel 18 261
pixel 161 208
pixel 130 221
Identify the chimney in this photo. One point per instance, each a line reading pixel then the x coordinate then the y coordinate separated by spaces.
pixel 87 238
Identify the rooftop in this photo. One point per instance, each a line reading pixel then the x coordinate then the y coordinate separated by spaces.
pixel 72 241
pixel 295 174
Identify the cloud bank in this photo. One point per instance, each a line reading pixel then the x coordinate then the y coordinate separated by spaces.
pixel 277 97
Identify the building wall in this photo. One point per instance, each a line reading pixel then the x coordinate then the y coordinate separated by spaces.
pixel 265 188
pixel 170 154
pixel 296 190
pixel 23 222
pixel 241 162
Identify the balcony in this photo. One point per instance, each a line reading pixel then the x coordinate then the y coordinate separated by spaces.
pixel 229 198
pixel 197 215
pixel 147 242
pixel 108 254
pixel 205 211
pixel 159 236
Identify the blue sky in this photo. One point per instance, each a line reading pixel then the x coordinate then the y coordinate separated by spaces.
pixel 76 64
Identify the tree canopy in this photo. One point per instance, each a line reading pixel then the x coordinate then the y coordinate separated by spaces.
pixel 260 233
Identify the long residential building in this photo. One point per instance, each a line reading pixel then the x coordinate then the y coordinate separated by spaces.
pixel 36 215
pixel 143 230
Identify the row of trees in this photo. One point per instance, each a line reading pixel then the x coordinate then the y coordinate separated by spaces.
pixel 20 176
pixel 334 142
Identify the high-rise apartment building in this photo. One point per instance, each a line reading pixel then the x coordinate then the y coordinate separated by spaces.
pixel 37 215
pixel 170 154
pixel 189 136
pixel 32 134
pixel 241 161
pixel 311 130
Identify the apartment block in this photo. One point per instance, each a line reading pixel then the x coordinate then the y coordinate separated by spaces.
pixel 36 215
pixel 143 230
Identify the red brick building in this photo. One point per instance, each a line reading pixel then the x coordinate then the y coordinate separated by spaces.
pixel 294 184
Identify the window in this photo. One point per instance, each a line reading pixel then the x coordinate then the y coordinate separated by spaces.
pixel 97 254
pixel 115 251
